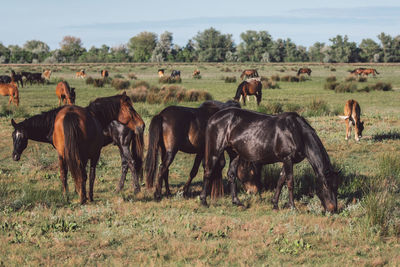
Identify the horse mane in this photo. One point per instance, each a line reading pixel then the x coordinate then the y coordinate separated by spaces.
pixel 105 108
pixel 239 90
pixel 68 91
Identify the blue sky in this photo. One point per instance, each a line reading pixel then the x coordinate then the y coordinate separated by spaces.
pixel 114 22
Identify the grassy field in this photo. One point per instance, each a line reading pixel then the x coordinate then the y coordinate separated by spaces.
pixel 37 227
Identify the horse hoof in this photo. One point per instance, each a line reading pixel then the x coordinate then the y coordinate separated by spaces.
pixel 157 197
pixel 204 203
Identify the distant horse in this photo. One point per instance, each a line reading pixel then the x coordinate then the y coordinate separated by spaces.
pixel 46 74
pixel 249 73
pixel 35 77
pixel 249 87
pixel 304 70
pixel 40 128
pixel 78 136
pixel 17 78
pixel 196 73
pixel 266 139
pixel 10 89
pixel 352 113
pixel 175 129
pixel 366 72
pixel 65 94
pixel 80 74
pixel 5 79
pixel 104 73
pixel 161 73
pixel 176 73
pixel 357 71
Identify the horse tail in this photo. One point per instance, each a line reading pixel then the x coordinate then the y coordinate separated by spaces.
pixel 217 186
pixel 72 142
pixel 298 72
pixel 137 148
pixel 239 91
pixel 155 134
pixel 376 71
pixel 67 92
pixel 15 94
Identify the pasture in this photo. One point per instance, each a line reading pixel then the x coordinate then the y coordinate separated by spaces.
pixel 38 227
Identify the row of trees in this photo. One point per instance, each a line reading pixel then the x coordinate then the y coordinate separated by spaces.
pixel 209 45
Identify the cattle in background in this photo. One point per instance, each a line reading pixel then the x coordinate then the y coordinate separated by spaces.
pixel 46 74
pixel 352 112
pixel 304 70
pixel 249 73
pixel 161 73
pixel 80 74
pixel 104 73
pixel 175 73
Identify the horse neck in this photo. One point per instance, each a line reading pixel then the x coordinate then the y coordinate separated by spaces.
pixel 239 90
pixel 104 114
pixel 39 128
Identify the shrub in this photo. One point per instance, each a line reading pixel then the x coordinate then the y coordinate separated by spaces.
pixel 346 88
pixel 382 86
pixel 316 107
pixel 118 76
pixel 140 83
pixel 138 94
pixel 230 79
pixel 89 80
pixel 270 85
pixel 292 107
pixel 362 79
pixel 331 85
pixel 98 82
pixel 169 79
pixel 197 76
pixel 120 84
pixel 331 79
pixel 332 69
pixel 132 76
pixel 226 69
pixel 350 79
pixel 275 78
pixel 271 108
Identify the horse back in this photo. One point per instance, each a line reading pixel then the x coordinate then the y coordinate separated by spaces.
pixel 352 109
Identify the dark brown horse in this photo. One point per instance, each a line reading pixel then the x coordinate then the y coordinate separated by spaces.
pixel 176 129
pixel 265 139
pixel 304 70
pixel 78 137
pixel 65 94
pixel 249 73
pixel 249 87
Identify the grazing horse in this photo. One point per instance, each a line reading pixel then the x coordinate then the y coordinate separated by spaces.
pixel 175 129
pixel 176 73
pixel 17 78
pixel 40 128
pixel 161 73
pixel 46 74
pixel 266 139
pixel 249 87
pixel 249 73
pixel 304 70
pixel 196 73
pixel 352 112
pixel 65 94
pixel 10 89
pixel 80 74
pixel 5 79
pixel 104 73
pixel 366 72
pixel 78 136
pixel 357 71
pixel 35 77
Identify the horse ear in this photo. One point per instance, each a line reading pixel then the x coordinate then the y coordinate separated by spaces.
pixel 13 123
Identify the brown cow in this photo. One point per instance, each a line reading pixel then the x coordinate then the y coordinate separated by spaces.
pixel 65 94
pixel 104 73
pixel 46 74
pixel 352 112
pixel 10 89
pixel 80 74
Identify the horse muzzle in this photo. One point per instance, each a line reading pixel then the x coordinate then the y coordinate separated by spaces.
pixel 16 156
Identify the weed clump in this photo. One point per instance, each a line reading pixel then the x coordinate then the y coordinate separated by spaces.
pixel 120 84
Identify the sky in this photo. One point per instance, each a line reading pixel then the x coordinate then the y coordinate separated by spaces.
pixel 114 22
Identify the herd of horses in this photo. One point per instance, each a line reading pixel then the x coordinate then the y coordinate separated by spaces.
pixel 251 139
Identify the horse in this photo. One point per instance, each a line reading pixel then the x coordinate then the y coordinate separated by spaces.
pixel 266 139
pixel 5 79
pixel 352 112
pixel 160 73
pixel 78 137
pixel 80 74
pixel 175 73
pixel 40 128
pixel 196 73
pixel 366 72
pixel 17 78
pixel 249 73
pixel 175 129
pixel 357 71
pixel 65 93
pixel 104 73
pixel 35 77
pixel 10 89
pixel 46 74
pixel 249 87
pixel 304 70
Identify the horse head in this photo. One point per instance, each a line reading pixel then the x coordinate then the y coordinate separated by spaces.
pixel 129 116
pixel 326 190
pixel 20 140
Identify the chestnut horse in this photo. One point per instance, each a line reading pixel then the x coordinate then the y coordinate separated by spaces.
pixel 249 73
pixel 249 87
pixel 196 73
pixel 80 74
pixel 366 72
pixel 160 73
pixel 78 137
pixel 352 112
pixel 65 93
pixel 266 139
pixel 304 70
pixel 10 89
pixel 175 129
pixel 357 71
pixel 104 73
pixel 46 74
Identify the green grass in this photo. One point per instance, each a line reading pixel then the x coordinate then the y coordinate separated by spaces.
pixel 37 226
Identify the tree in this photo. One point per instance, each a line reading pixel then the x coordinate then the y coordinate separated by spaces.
pixel 368 50
pixel 342 50
pixel 254 45
pixel 4 54
pixel 71 48
pixel 163 48
pixel 294 53
pixel 316 52
pixel 141 46
pixel 390 47
pixel 277 51
pixel 185 54
pixel 212 46
pixel 39 49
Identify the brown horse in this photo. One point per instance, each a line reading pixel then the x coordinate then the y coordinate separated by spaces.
pixel 357 71
pixel 366 72
pixel 104 73
pixel 65 93
pixel 10 89
pixel 249 87
pixel 196 73
pixel 78 137
pixel 249 73
pixel 352 112
pixel 46 74
pixel 161 73
pixel 304 70
pixel 80 74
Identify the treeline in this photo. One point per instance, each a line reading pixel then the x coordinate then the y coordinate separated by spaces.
pixel 207 46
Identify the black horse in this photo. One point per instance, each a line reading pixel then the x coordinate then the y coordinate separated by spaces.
pixel 266 139
pixel 17 78
pixel 176 73
pixel 40 128
pixel 176 129
pixel 34 77
pixel 5 79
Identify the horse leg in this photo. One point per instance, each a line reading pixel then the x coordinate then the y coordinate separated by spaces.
pixel 63 176
pixel 124 171
pixel 348 129
pixel 80 184
pixel 288 166
pixel 278 189
pixel 208 171
pixel 167 158
pixel 244 100
pixel 126 157
pixel 232 172
pixel 193 173
pixel 92 174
